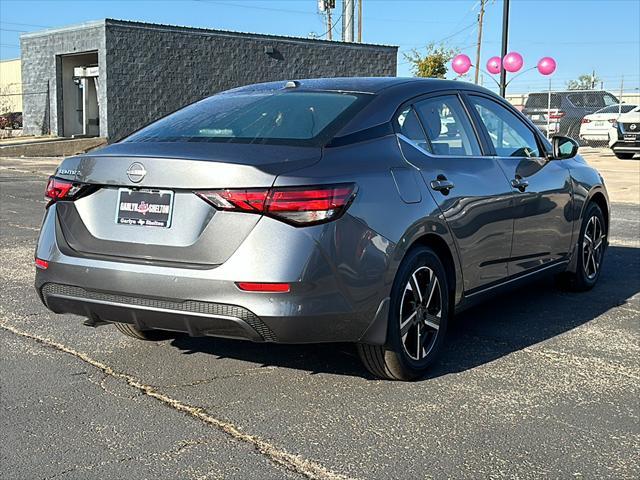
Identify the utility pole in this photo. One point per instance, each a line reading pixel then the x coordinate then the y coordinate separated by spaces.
pixel 505 43
pixel 359 21
pixel 480 19
pixel 326 6
pixel 620 97
pixel 347 20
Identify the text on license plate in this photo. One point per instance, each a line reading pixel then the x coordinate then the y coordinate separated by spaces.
pixel 144 208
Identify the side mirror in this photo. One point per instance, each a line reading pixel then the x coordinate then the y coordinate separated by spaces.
pixel 564 147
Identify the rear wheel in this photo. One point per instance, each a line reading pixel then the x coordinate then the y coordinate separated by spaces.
pixel 573 132
pixel 417 319
pixel 624 155
pixel 149 335
pixel 591 246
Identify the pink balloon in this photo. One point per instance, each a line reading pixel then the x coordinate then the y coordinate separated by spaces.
pixel 546 66
pixel 494 65
pixel 513 62
pixel 461 64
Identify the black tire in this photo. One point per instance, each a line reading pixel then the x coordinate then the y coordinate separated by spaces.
pixel 394 361
pixel 624 155
pixel 149 335
pixel 585 278
pixel 573 132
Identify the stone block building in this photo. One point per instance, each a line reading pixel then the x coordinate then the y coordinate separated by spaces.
pixel 110 77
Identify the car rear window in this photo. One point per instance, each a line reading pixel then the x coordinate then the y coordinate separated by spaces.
pixel 617 108
pixel 541 100
pixel 284 117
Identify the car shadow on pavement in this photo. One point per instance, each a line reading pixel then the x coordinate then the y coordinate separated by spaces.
pixel 508 323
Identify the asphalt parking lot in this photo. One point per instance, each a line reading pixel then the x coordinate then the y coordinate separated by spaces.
pixel 539 383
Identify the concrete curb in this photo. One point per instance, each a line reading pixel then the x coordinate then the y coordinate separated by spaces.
pixel 52 148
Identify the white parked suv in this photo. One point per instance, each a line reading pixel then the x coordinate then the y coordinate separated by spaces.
pixel 594 129
pixel 624 135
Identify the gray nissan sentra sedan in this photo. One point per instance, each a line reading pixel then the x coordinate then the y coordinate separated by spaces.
pixel 364 210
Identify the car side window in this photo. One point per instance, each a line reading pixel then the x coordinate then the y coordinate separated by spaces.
pixel 509 135
pixel 447 126
pixel 407 124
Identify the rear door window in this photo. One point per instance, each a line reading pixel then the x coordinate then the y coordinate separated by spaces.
pixel 592 99
pixel 447 126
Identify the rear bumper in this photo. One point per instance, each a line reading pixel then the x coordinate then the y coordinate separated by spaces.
pixel 594 136
pixel 332 298
pixel 197 318
pixel 629 147
pixel 548 129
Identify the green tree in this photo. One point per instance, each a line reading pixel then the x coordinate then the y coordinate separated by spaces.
pixel 584 82
pixel 433 64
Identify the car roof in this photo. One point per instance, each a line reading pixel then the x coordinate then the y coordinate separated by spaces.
pixel 371 85
pixel 388 94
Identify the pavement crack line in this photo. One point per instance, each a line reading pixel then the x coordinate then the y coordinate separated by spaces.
pixel 278 456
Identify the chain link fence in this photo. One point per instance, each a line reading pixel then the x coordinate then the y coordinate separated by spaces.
pixel 587 116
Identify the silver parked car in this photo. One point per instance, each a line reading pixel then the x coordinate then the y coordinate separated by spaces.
pixel 363 210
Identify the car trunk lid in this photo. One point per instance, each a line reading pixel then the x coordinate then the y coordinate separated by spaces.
pixel 195 233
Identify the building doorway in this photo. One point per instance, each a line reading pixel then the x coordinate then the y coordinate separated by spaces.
pixel 80 107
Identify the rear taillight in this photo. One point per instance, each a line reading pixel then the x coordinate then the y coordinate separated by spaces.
pixel 613 121
pixel 251 200
pixel 59 189
pixel 300 206
pixel 586 120
pixel 556 115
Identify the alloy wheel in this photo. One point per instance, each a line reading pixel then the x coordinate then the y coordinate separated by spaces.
pixel 592 247
pixel 420 313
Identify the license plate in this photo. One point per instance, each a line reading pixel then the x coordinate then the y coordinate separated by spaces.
pixel 599 124
pixel 631 137
pixel 144 208
pixel 536 117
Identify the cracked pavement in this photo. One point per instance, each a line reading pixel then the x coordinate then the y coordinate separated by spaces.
pixel 535 383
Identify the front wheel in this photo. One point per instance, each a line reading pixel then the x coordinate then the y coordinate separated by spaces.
pixel 417 323
pixel 591 246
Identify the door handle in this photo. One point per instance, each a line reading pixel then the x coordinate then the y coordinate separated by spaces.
pixel 519 183
pixel 441 184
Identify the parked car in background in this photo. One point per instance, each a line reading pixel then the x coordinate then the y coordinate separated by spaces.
pixel 595 127
pixel 566 111
pixel 624 135
pixel 11 120
pixel 364 210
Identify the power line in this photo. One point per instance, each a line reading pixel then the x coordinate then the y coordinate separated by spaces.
pixel 304 12
pixel 24 24
pixel 333 26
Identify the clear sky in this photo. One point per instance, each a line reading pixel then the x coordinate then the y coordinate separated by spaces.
pixel 583 35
